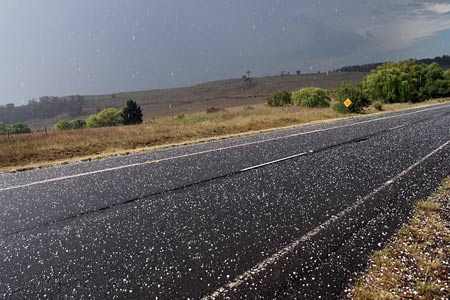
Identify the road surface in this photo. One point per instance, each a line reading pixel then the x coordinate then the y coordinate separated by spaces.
pixel 287 214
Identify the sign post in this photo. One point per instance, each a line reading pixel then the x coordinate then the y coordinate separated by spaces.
pixel 347 103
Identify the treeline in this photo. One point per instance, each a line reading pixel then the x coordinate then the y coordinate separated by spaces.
pixel 403 81
pixel 443 61
pixel 44 108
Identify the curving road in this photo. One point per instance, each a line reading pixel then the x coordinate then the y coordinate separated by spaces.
pixel 287 214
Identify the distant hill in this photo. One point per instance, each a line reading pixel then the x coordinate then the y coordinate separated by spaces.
pixel 166 102
pixel 444 61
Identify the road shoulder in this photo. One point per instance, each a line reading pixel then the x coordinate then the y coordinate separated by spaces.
pixel 416 264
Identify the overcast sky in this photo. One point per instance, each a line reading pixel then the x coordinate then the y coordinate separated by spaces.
pixel 54 47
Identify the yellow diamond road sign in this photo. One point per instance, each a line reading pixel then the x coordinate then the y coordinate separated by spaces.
pixel 348 102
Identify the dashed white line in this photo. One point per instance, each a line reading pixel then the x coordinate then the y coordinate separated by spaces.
pixel 283 252
pixel 214 150
pixel 275 161
pixel 397 127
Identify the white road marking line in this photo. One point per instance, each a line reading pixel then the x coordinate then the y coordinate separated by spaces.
pixel 69 177
pixel 283 252
pixel 275 161
pixel 397 127
pixel 214 150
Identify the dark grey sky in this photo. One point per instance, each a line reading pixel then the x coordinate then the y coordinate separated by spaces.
pixel 54 47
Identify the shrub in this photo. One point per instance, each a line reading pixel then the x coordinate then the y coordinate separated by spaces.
pixel 70 125
pixel 355 93
pixel 378 105
pixel 17 128
pixel 311 97
pixel 62 125
pixel 3 129
pixel 105 118
pixel 248 108
pixel 279 98
pixel 77 124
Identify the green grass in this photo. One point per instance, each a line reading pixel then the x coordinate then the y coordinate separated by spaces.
pixel 198 118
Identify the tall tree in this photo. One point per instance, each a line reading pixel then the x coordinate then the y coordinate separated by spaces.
pixel 132 113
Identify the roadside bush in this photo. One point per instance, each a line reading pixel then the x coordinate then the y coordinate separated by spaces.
pixel 62 125
pixel 17 128
pixel 355 93
pixel 279 98
pixel 105 118
pixel 311 97
pixel 77 124
pixel 70 125
pixel 378 105
pixel 3 129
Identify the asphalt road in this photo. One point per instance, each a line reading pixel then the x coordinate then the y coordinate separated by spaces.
pixel 286 214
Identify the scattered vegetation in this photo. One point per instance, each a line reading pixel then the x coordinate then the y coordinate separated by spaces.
pixel 378 105
pixel 311 97
pixel 355 93
pixel 18 128
pixel 39 149
pixel 416 265
pixel 279 98
pixel 70 125
pixel 105 118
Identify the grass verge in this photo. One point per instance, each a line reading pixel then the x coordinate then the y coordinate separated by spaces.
pixel 416 265
pixel 34 150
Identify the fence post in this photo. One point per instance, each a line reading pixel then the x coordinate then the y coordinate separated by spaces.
pixel 46 133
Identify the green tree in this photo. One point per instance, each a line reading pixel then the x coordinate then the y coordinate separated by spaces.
pixel 435 85
pixel 279 98
pixel 132 113
pixel 355 93
pixel 105 118
pixel 388 84
pixel 311 97
pixel 447 74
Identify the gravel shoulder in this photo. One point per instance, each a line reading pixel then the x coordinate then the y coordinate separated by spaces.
pixel 416 264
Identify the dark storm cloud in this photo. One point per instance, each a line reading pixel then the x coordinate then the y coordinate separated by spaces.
pixel 52 47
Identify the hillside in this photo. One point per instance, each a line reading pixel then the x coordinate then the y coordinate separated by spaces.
pixel 166 102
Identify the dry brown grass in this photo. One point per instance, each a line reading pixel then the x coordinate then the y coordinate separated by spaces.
pixel 37 149
pixel 417 264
